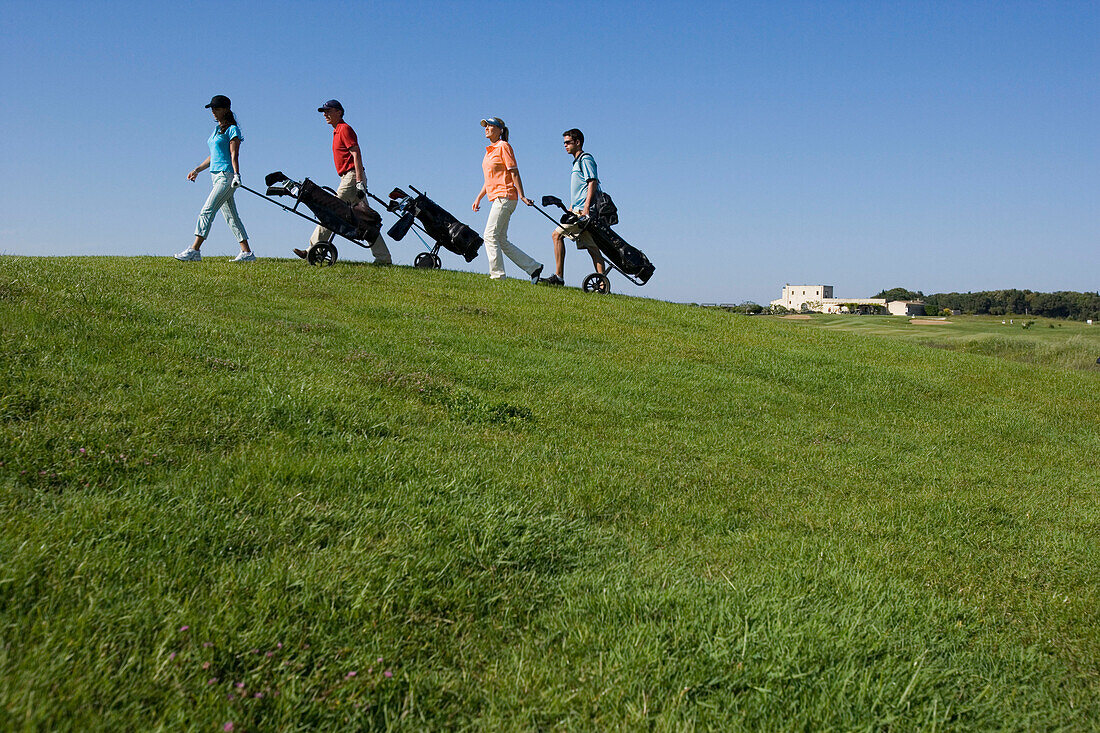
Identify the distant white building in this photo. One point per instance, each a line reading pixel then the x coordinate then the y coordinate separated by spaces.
pixel 820 298
pixel 795 295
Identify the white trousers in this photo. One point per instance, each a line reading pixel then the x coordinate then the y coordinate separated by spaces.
pixel 346 192
pixel 496 240
pixel 220 198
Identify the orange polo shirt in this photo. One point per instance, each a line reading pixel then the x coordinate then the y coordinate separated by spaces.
pixel 497 165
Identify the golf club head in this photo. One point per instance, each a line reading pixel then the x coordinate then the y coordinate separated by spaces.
pixel 569 218
pixel 398 231
pixel 272 178
pixel 397 193
pixel 552 201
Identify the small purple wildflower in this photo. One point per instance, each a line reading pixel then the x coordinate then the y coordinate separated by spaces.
pixel 240 685
pixel 171 656
pixel 228 727
pixel 349 675
pixel 255 651
pixel 206 665
pixel 387 674
pixel 270 654
pixel 258 694
pixel 207 644
pixel 212 681
pixel 279 645
pixel 184 628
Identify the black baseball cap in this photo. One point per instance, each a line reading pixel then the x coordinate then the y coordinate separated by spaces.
pixel 331 104
pixel 219 100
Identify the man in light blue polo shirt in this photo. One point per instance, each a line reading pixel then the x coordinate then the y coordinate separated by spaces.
pixel 583 184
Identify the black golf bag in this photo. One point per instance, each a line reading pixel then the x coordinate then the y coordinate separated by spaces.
pixel 437 223
pixel 627 259
pixel 356 221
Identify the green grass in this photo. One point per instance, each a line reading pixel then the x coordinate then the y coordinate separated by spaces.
pixel 503 506
pixel 1045 341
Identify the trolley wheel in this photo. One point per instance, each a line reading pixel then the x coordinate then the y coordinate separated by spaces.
pixel 596 283
pixel 322 253
pixel 436 261
pixel 425 261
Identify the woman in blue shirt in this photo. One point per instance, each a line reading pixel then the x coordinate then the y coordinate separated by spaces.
pixel 225 170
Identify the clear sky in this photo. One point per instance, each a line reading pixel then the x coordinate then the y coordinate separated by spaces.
pixel 936 146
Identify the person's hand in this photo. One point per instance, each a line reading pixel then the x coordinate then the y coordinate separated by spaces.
pixel 193 174
pixel 236 183
pixel 361 187
pixel 476 206
pixel 584 211
pixel 526 200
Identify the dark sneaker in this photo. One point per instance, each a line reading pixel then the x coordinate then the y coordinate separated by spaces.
pixel 301 253
pixel 554 280
pixel 535 275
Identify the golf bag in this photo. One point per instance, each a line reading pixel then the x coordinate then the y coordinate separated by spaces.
pixel 356 221
pixel 629 260
pixel 437 223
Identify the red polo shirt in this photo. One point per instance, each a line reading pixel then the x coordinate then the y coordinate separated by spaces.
pixel 343 140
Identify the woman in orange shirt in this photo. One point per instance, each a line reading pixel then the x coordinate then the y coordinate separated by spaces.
pixel 504 187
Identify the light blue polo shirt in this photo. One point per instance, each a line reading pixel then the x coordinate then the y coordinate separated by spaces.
pixel 584 170
pixel 220 161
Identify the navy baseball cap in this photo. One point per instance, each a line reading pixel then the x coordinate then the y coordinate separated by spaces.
pixel 494 121
pixel 331 104
pixel 219 100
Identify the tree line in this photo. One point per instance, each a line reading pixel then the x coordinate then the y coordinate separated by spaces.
pixel 1061 304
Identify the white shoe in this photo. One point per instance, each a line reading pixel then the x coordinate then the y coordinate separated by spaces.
pixel 245 257
pixel 189 255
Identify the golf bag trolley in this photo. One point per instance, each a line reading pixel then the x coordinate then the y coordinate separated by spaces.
pixel 435 221
pixel 628 261
pixel 356 222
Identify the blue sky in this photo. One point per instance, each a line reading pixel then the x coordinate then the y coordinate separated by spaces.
pixel 936 146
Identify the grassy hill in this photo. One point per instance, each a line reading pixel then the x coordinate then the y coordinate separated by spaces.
pixel 286 497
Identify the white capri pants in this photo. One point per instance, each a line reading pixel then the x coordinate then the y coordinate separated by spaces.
pixel 221 197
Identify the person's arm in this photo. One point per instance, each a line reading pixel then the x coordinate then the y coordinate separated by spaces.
pixel 199 169
pixel 519 186
pixel 588 198
pixel 480 195
pixel 357 161
pixel 508 157
pixel 234 152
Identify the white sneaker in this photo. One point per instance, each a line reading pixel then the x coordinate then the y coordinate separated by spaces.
pixel 189 255
pixel 245 257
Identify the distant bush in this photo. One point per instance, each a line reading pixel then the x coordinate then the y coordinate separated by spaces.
pixel 1062 304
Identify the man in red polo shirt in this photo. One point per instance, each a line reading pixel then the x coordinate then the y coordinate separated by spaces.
pixel 353 181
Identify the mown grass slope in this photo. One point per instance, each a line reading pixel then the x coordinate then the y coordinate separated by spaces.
pixel 286 497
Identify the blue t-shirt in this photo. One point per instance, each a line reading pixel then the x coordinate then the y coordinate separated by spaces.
pixel 584 170
pixel 220 161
